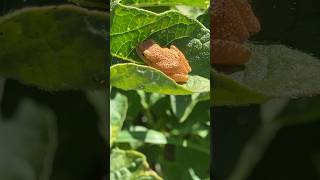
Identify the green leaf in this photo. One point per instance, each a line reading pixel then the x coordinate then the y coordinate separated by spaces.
pixel 54 47
pixel 183 160
pixel 159 138
pixel 145 136
pixel 150 3
pixel 197 123
pixel 130 165
pixel 28 142
pixel 134 104
pixel 129 76
pixel 274 71
pixel 118 111
pixel 182 106
pixel 131 26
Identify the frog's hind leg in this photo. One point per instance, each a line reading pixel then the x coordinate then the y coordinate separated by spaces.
pixel 179 78
pixel 167 66
pixel 229 53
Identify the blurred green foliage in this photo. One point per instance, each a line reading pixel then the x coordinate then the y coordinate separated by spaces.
pixel 78 150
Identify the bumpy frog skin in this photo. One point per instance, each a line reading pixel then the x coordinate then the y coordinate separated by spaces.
pixel 171 61
pixel 232 23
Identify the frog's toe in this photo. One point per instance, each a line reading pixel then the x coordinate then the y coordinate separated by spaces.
pixel 179 78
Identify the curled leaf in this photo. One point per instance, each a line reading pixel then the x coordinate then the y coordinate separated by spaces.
pixel 130 76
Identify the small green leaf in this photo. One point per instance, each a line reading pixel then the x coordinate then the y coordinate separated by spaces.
pixel 54 47
pixel 131 26
pixel 197 123
pixel 130 165
pixel 129 76
pixel 144 135
pixel 118 111
pixel 182 106
pixel 274 71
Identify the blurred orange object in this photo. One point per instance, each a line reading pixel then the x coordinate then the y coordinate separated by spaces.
pixel 232 23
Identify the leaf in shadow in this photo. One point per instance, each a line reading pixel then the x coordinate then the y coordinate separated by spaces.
pixel 54 47
pixel 98 100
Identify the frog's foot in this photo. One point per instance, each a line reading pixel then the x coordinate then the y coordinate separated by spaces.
pixel 229 53
pixel 179 78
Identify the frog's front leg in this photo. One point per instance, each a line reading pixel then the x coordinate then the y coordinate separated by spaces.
pixel 226 52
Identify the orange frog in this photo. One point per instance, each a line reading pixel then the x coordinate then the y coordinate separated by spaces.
pixel 170 61
pixel 232 23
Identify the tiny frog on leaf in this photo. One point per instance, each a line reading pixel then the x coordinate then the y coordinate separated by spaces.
pixel 233 22
pixel 171 61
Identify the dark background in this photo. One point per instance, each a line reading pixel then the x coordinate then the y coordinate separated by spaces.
pixel 293 152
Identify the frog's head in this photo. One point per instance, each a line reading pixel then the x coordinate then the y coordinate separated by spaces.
pixel 146 49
